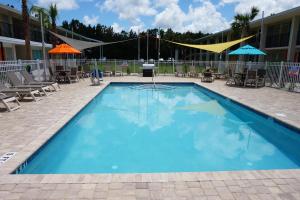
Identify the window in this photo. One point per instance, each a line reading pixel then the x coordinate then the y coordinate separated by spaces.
pixel 37 54
pixel 298 35
pixel 5 26
pixel 9 53
pixel 278 35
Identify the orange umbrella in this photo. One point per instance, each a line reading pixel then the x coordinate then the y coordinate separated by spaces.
pixel 64 49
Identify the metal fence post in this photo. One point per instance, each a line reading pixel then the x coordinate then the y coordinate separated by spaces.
pixel 133 66
pixel 280 74
pixel 115 66
pixel 173 66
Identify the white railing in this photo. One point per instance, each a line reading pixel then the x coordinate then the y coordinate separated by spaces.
pixel 282 75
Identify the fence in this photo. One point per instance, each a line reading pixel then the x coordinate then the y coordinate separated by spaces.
pixel 281 75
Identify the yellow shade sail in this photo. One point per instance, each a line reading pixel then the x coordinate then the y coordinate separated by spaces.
pixel 217 48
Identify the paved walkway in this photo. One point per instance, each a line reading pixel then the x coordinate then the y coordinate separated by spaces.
pixel 25 130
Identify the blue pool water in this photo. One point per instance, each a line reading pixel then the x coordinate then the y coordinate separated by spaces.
pixel 182 129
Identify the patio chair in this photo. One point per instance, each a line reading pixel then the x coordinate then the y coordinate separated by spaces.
pixel 207 77
pixel 119 71
pixel 29 80
pixel 261 74
pixel 73 76
pixel 251 78
pixel 6 99
pixel 192 71
pixel 21 92
pixel 179 71
pixel 80 72
pixel 59 73
pixel 107 71
pixel 16 83
pixel 231 78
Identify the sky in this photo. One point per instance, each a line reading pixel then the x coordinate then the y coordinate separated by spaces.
pixel 207 16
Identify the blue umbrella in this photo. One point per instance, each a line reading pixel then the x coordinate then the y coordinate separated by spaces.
pixel 247 50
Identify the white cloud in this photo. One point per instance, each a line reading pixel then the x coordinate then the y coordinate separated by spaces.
pixel 61 4
pixel 128 9
pixel 138 28
pixel 203 18
pixel 269 6
pixel 116 27
pixel 163 3
pixel 90 20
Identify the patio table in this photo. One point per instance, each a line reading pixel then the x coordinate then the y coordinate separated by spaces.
pixel 217 75
pixel 64 74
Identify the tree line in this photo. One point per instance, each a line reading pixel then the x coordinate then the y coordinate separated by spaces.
pixel 129 49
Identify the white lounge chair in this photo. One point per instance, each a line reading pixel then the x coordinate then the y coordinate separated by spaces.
pixel 29 80
pixel 6 99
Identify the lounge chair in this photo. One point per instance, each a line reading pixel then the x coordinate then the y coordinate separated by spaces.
pixel 207 77
pixel 192 71
pixel 179 71
pixel 119 71
pixel 16 82
pixel 21 92
pixel 6 99
pixel 29 80
pixel 107 71
pixel 73 76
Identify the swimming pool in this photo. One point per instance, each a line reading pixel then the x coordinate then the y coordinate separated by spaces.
pixel 182 128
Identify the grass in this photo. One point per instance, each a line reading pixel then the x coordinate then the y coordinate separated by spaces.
pixel 163 68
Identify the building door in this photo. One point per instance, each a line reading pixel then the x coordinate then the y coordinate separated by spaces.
pixel 1 51
pixel 9 53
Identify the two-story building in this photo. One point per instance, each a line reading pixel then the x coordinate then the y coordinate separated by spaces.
pixel 280 38
pixel 12 43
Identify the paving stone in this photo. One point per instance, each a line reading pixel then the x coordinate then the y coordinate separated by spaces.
pixel 34 128
pixel 141 186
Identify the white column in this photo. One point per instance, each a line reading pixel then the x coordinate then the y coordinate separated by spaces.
pixel 293 38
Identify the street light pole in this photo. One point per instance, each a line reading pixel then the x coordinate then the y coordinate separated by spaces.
pixel 139 56
pixel 43 45
pixel 147 44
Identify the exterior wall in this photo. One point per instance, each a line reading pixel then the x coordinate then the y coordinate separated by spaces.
pixel 20 52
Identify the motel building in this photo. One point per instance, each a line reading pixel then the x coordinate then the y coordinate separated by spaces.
pixel 12 43
pixel 280 38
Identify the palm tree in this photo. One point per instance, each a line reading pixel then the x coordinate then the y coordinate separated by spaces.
pixel 241 22
pixel 53 15
pixel 26 29
pixel 41 12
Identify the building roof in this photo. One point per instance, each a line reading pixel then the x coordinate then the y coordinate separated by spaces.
pixel 284 15
pixel 10 40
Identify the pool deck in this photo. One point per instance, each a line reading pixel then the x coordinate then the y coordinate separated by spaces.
pixel 25 130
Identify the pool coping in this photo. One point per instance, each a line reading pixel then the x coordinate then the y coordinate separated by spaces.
pixel 27 152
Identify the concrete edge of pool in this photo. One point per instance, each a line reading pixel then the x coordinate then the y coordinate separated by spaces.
pixel 21 157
